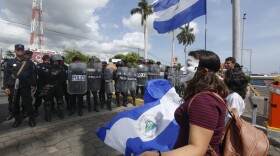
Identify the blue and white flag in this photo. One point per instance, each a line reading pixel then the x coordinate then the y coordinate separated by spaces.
pixel 171 14
pixel 148 127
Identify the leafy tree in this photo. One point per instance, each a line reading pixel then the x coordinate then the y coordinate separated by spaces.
pixel 71 53
pixel 132 58
pixel 10 54
pixel 186 36
pixel 144 10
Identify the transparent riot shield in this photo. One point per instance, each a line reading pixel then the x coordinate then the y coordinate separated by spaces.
pixel 152 72
pixel 94 72
pixel 142 75
pixel 123 79
pixel 156 70
pixel 77 78
pixel 108 77
pixel 171 76
pixel 118 72
pixel 132 79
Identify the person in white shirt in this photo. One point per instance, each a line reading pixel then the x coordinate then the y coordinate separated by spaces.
pixel 237 82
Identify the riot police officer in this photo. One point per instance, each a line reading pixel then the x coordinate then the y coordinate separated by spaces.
pixel 131 82
pixel 19 82
pixel 42 69
pixel 106 86
pixel 94 81
pixel 53 87
pixel 74 97
pixel 120 77
pixel 142 76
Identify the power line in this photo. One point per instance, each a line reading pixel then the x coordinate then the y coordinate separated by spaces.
pixel 47 29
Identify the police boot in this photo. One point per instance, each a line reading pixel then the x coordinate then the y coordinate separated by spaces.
pixel 125 100
pixel 118 99
pixel 11 112
pixel 109 103
pixel 53 110
pixel 17 121
pixel 80 112
pixel 133 101
pixel 11 115
pixel 96 105
pixel 60 109
pixel 31 122
pixel 23 114
pixel 88 102
pixel 102 101
pixel 48 115
pixel 36 111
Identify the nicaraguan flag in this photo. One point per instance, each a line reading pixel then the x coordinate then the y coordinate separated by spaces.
pixel 148 127
pixel 171 14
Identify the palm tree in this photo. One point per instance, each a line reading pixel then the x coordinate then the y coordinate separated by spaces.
pixel 10 54
pixel 145 10
pixel 186 37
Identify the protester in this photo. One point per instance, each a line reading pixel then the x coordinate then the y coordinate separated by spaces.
pixel 236 81
pixel 229 63
pixel 201 121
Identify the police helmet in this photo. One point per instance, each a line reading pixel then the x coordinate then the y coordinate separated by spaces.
pixel 119 64
pixel 45 57
pixel 91 59
pixel 104 62
pixel 28 52
pixel 56 57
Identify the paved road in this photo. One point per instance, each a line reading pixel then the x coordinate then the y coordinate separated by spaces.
pixel 74 135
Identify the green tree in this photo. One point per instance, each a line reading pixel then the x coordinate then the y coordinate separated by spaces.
pixel 144 10
pixel 71 53
pixel 186 36
pixel 132 58
pixel 10 54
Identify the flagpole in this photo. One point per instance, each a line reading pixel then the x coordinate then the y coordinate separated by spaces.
pixel 205 23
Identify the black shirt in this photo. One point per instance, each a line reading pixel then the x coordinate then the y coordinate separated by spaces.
pixel 27 77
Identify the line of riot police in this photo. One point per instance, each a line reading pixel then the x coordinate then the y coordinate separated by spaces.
pixel 58 83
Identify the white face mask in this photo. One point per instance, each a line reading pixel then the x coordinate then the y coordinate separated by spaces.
pixel 192 64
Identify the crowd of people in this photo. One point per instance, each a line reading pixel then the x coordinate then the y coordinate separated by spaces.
pixel 201 117
pixel 53 87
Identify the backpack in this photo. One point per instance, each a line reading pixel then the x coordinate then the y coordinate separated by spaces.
pixel 240 137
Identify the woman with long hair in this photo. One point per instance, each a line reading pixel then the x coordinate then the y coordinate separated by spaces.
pixel 202 115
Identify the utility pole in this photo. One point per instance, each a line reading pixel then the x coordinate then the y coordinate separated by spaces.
pixel 36 35
pixel 236 30
pixel 242 39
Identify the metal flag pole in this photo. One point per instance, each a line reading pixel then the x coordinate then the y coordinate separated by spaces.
pixel 205 23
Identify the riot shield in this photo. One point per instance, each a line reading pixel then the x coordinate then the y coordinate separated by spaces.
pixel 156 70
pixel 152 72
pixel 123 79
pixel 118 72
pixel 132 79
pixel 171 76
pixel 94 72
pixel 108 77
pixel 142 75
pixel 179 75
pixel 77 78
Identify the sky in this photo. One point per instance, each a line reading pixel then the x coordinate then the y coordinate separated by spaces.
pixel 104 28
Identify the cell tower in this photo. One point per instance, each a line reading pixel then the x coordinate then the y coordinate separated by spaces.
pixel 36 35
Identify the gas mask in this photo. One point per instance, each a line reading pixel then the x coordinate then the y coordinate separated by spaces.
pixel 190 68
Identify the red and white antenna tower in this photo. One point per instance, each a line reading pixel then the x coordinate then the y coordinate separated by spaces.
pixel 36 35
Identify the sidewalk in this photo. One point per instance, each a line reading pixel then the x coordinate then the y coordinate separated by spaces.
pixel 76 135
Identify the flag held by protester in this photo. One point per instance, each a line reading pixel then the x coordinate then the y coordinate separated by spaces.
pixel 147 127
pixel 171 14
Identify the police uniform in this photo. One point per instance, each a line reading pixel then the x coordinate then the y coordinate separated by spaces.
pixel 27 78
pixel 66 94
pixel 53 86
pixel 102 90
pixel 42 70
pixel 117 85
